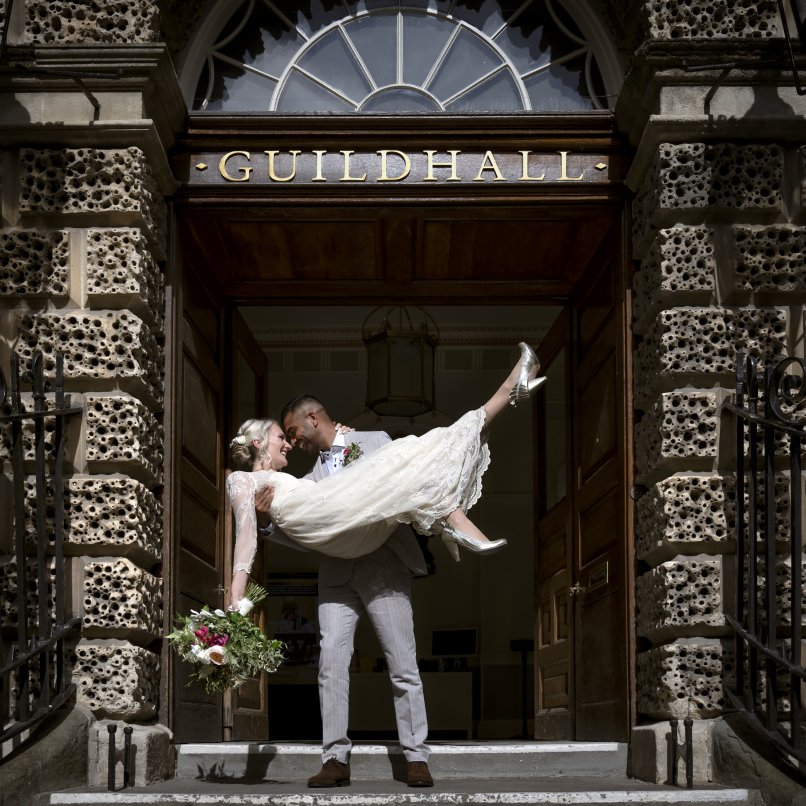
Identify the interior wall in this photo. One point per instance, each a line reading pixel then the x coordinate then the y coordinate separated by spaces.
pixel 319 351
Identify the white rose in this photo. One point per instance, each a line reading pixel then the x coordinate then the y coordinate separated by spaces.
pixel 217 655
pixel 244 606
pixel 202 655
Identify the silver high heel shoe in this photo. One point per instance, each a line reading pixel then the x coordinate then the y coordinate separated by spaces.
pixel 525 387
pixel 452 538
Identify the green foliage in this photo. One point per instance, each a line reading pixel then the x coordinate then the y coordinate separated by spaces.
pixel 226 649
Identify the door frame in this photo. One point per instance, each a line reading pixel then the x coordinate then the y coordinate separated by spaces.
pixel 573 132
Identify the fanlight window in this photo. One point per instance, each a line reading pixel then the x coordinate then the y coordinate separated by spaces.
pixel 430 56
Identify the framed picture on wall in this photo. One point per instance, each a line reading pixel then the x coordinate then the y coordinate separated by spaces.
pixel 291 609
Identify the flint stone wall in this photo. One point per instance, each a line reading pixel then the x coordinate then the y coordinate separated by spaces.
pixel 115 348
pixel 121 601
pixel 713 19
pixel 104 515
pixel 116 680
pixel 82 238
pixel 62 22
pixel 722 248
pixel 115 184
pixel 684 678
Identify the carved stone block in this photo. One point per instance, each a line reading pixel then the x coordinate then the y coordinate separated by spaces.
pixel 688 342
pixel 152 755
pixel 115 347
pixel 679 268
pixel 34 263
pixel 684 678
pixel 116 680
pixel 106 515
pixel 122 273
pixel 115 183
pixel 713 19
pixel 682 597
pixel 770 258
pixel 681 428
pixel 122 435
pixel 121 601
pixel 688 177
pixel 685 513
pixel 68 22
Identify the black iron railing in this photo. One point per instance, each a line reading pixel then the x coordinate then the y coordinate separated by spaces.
pixel 770 409
pixel 33 680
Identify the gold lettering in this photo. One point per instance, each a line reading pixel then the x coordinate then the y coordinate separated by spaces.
pixel 451 163
pixel 489 164
pixel 347 177
pixel 319 177
pixel 246 171
pixel 564 169
pixel 525 172
pixel 384 177
pixel 273 175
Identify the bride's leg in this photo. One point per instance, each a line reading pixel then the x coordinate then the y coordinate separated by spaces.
pixel 499 401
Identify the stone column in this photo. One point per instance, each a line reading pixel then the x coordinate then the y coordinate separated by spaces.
pixel 718 240
pixel 82 243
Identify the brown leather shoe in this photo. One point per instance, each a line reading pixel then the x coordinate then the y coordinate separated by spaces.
pixel 333 773
pixel 417 774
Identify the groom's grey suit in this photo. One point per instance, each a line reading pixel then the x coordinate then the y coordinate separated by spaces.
pixel 379 583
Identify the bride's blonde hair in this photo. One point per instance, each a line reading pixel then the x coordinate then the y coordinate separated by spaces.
pixel 242 449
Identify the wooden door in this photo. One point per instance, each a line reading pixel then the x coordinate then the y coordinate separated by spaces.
pixel 196 488
pixel 583 638
pixel 602 437
pixel 246 713
pixel 554 644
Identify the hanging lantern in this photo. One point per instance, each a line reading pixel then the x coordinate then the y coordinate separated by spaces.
pixel 400 344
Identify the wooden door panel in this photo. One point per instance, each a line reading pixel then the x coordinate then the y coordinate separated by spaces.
pixel 599 530
pixel 598 426
pixel 246 710
pixel 601 627
pixel 197 491
pixel 554 677
pixel 200 412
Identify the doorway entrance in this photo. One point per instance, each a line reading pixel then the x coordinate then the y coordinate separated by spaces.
pixel 253 251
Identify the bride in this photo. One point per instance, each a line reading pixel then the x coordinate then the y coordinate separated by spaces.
pixel 428 481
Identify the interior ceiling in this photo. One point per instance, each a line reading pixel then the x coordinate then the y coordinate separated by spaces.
pixel 479 254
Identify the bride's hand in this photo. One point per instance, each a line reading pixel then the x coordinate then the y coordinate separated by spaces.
pixel 343 429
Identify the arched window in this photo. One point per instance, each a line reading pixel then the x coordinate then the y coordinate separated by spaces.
pixel 409 56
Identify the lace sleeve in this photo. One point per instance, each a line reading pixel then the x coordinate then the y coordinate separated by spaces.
pixel 241 492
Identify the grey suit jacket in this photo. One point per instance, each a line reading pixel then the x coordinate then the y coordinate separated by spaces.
pixel 335 570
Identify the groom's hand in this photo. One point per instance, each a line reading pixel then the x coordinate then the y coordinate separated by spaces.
pixel 263 498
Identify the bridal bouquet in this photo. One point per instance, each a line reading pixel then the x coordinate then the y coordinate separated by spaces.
pixel 226 648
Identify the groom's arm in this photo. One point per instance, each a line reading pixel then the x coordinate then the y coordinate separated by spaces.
pixel 265 528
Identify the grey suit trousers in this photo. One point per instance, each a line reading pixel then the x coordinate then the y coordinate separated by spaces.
pixel 380 584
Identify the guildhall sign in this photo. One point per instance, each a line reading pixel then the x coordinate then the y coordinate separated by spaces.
pixel 389 165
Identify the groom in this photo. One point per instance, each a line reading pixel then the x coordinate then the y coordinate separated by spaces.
pixel 378 583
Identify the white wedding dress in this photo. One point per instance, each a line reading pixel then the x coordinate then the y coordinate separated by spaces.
pixel 417 480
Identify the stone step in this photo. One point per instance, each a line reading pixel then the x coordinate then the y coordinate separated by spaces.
pixel 471 760
pixel 570 792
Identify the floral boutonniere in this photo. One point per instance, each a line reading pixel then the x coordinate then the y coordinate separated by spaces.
pixel 352 452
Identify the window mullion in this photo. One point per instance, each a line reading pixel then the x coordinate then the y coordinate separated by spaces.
pixel 441 58
pixel 357 56
pixel 470 87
